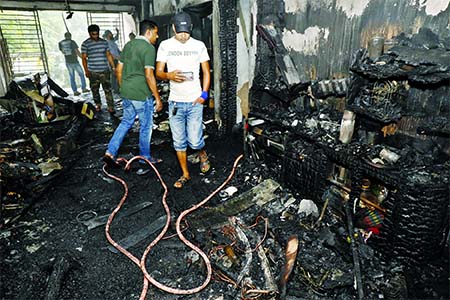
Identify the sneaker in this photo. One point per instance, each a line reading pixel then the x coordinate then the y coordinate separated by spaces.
pixel 76 93
pixel 86 90
pixel 142 171
pixel 110 161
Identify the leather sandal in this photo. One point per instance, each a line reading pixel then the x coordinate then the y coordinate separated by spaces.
pixel 205 165
pixel 181 182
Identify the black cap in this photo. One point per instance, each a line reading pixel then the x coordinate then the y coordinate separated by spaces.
pixel 182 22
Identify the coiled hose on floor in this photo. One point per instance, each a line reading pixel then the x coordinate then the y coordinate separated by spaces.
pixel 142 261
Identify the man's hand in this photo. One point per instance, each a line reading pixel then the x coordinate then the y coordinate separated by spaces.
pixel 176 76
pixel 159 105
pixel 88 74
pixel 199 100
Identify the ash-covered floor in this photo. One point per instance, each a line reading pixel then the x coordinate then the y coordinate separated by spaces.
pixel 53 253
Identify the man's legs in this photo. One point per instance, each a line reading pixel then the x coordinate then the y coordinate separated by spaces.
pixel 106 84
pixel 129 115
pixel 177 120
pixel 94 82
pixel 79 70
pixel 114 84
pixel 182 160
pixel 194 131
pixel 71 69
pixel 144 110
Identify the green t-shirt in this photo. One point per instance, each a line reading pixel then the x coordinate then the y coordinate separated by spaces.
pixel 137 55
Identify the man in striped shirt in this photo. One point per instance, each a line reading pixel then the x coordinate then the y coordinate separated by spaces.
pixel 95 56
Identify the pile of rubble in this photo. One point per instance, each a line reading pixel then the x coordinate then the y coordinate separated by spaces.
pixel 39 132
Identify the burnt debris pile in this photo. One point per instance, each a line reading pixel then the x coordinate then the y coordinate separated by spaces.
pixel 373 147
pixel 39 132
pixel 269 242
pixel 404 93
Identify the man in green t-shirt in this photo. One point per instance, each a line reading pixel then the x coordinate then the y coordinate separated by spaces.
pixel 136 78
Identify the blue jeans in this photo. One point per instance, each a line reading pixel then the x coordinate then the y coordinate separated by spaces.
pixel 131 108
pixel 72 68
pixel 186 125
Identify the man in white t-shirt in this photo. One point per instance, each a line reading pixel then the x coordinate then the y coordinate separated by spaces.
pixel 183 56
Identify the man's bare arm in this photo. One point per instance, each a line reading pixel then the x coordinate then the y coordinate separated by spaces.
pixel 206 82
pixel 110 60
pixel 119 70
pixel 85 64
pixel 162 75
pixel 206 76
pixel 77 52
pixel 151 82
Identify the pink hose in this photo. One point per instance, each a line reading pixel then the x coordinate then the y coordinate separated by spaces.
pixel 141 263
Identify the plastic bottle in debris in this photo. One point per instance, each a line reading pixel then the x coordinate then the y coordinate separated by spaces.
pixel 376 46
pixel 347 126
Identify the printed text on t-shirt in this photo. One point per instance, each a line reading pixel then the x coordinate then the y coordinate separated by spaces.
pixel 182 53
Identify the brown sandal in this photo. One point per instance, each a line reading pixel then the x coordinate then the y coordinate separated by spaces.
pixel 181 182
pixel 205 165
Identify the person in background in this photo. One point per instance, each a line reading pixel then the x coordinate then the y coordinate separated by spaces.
pixel 115 52
pixel 184 56
pixel 71 53
pixel 136 78
pixel 131 36
pixel 97 61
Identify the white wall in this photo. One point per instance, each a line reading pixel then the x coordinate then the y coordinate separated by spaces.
pixel 246 54
pixel 170 6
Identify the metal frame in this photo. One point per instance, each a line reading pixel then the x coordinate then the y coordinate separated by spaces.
pixel 41 40
pixel 30 44
pixel 108 21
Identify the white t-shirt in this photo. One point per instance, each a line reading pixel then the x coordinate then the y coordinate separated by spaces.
pixel 185 57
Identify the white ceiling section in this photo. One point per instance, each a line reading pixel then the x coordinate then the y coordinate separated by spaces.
pixel 104 6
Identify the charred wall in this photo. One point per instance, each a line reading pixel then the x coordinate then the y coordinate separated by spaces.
pixel 226 93
pixel 322 35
